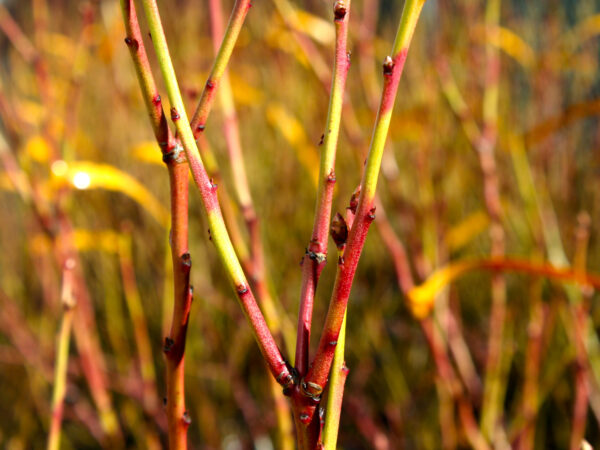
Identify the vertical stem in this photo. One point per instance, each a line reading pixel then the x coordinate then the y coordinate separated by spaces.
pixel 578 310
pixel 339 373
pixel 140 325
pixel 177 418
pixel 493 386
pixel 62 357
pixel 317 374
pixel 317 248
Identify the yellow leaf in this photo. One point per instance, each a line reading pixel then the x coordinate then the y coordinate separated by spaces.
pixel 507 41
pixel 292 131
pixel 37 149
pixel 244 93
pixel 105 240
pixel 318 29
pixel 464 232
pixel 59 45
pixel 83 240
pixel 421 298
pixel 147 151
pixel 88 175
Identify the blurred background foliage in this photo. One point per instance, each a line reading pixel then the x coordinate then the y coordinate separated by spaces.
pixel 77 147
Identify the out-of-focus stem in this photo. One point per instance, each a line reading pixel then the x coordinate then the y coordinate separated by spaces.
pixel 62 357
pixel 140 326
pixel 365 211
pixel 493 393
pixel 208 189
pixel 579 312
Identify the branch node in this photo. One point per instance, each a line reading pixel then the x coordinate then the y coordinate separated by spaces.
pixel 371 215
pixel 331 177
pixel 388 65
pixel 339 231
pixel 187 419
pixel 318 257
pixel 200 127
pixel 175 115
pixel 168 346
pixel 339 10
pixel 354 200
pixel 186 260
pixel 241 289
pixel 311 390
pixel 132 43
pixel 345 370
pixel 176 155
pixel 156 100
pixel 287 378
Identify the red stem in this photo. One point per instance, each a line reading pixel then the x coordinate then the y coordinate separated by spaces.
pixel 365 214
pixel 198 122
pixel 174 346
pixel 317 248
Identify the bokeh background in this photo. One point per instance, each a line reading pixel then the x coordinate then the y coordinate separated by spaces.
pixel 79 160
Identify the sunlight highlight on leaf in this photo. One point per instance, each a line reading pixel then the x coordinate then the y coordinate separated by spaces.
pixel 88 175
